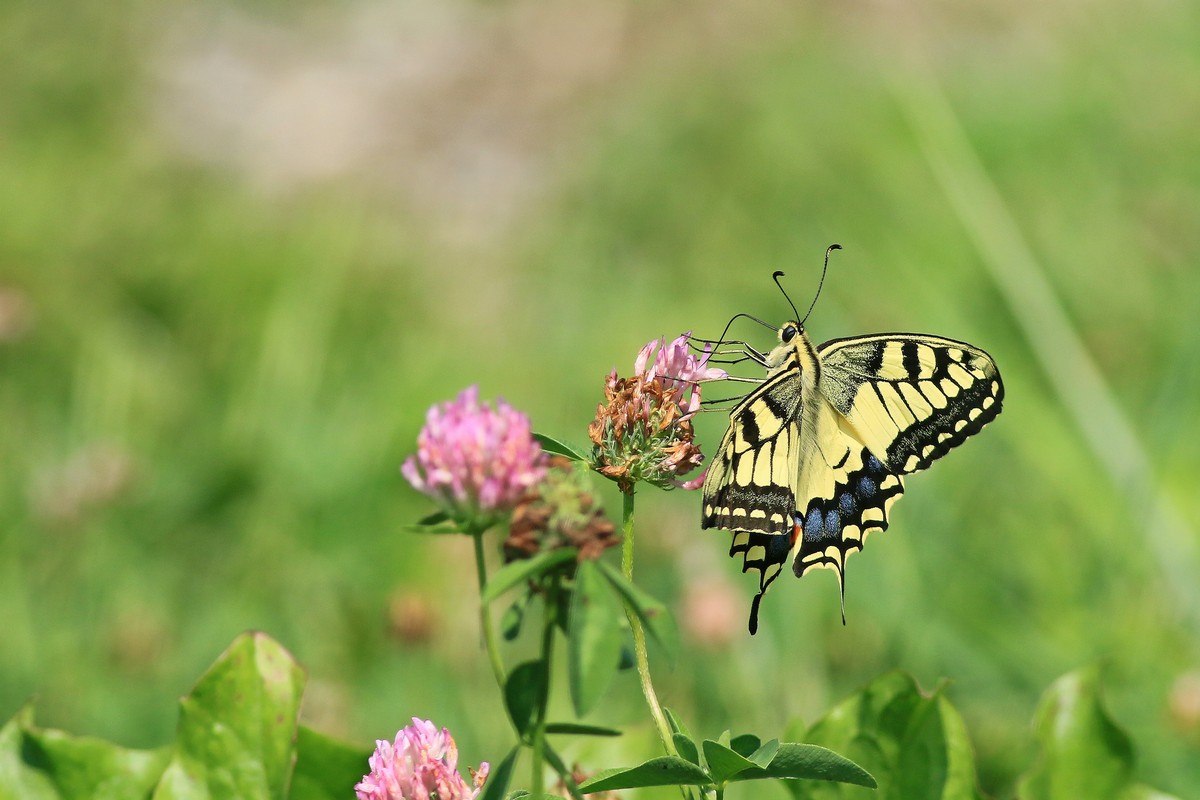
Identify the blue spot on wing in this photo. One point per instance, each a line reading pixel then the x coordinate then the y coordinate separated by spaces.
pixel 867 486
pixel 833 524
pixel 847 503
pixel 812 525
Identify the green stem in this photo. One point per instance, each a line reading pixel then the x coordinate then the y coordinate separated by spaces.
pixel 539 729
pixel 639 634
pixel 485 617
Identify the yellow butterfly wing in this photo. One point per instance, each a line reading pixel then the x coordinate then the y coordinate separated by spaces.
pixel 910 398
pixel 750 485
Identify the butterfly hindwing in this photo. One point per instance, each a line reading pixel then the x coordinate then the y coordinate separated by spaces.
pixel 831 528
pixel 846 493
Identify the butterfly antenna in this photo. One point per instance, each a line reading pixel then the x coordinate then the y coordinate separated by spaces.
pixel 776 275
pixel 825 269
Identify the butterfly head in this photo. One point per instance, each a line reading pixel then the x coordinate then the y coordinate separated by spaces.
pixel 789 331
pixel 792 340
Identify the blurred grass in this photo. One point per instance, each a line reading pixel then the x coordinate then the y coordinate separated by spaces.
pixel 206 388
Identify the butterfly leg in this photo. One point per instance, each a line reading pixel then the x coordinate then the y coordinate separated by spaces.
pixel 735 353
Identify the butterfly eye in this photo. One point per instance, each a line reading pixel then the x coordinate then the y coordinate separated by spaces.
pixel 787 334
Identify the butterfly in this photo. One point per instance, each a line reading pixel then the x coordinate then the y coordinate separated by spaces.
pixel 815 456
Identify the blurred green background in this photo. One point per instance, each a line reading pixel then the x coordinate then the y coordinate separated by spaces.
pixel 243 248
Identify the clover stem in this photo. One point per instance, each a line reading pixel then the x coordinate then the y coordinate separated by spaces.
pixel 485 617
pixel 539 730
pixel 639 633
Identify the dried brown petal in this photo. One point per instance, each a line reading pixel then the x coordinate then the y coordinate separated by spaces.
pixel 592 540
pixel 561 513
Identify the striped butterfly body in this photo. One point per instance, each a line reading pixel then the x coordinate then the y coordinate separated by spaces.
pixel 815 456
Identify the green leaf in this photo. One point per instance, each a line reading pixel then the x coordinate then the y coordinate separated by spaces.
pixel 555 447
pixel 436 518
pixel 438 522
pixel 562 612
pixel 682 737
pixel 577 729
pixel 594 641
pixel 18 779
pixel 526 569
pixel 498 779
pixel 764 755
pixel 628 659
pixel 663 771
pixel 811 762
pixel 40 763
pixel 914 745
pixel 326 768
pixel 653 614
pixel 677 725
pixel 724 763
pixel 1139 792
pixel 744 744
pixel 522 691
pixel 84 766
pixel 563 771
pixel 237 726
pixel 433 530
pixel 514 615
pixel 1083 752
pixel 686 747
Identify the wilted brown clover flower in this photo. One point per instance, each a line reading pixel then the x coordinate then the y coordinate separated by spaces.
pixel 643 430
pixel 560 512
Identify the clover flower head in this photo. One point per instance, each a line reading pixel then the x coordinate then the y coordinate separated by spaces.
pixel 421 764
pixel 643 430
pixel 474 459
pixel 678 368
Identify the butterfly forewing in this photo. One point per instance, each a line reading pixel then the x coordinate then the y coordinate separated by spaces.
pixel 909 397
pixel 750 485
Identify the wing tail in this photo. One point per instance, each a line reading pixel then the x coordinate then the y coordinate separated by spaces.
pixel 766 553
pixel 833 527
